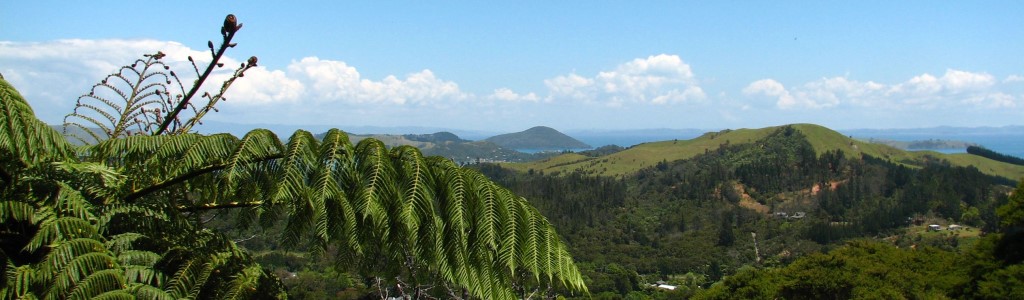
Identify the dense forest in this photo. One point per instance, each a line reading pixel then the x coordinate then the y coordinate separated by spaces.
pixel 981 151
pixel 754 206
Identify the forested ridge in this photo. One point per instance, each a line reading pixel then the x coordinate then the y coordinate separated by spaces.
pixel 981 151
pixel 694 222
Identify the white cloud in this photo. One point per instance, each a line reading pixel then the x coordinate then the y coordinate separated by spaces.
pixel 924 91
pixel 658 79
pixel 1013 78
pixel 1001 100
pixel 263 86
pixel 317 91
pixel 506 94
pixel 771 88
pixel 336 81
pixel 572 86
pixel 954 81
pixel 959 81
pixel 57 72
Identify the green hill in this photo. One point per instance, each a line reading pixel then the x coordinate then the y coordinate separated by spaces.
pixel 822 139
pixel 540 138
pixel 709 207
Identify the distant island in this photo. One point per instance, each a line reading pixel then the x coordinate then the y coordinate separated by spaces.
pixel 931 144
pixel 538 138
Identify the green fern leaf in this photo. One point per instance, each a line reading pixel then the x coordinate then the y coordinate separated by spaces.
pixel 24 138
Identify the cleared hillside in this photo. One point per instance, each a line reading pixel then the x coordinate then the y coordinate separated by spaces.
pixel 643 155
pixel 822 139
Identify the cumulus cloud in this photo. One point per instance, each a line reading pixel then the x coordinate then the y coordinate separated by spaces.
pixel 923 91
pixel 264 86
pixel 1013 78
pixel 56 72
pixel 336 81
pixel 572 86
pixel 771 88
pixel 505 94
pixel 658 79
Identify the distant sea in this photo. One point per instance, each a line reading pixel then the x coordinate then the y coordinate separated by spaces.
pixel 1010 144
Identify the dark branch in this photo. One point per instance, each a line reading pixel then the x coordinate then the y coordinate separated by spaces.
pixel 196 173
pixel 228 34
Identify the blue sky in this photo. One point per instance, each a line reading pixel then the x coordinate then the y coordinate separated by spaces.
pixel 569 65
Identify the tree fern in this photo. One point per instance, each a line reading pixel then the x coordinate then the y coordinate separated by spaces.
pixel 24 140
pixel 146 97
pixel 130 99
pixel 122 217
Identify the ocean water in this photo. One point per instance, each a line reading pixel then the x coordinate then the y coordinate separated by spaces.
pixel 1009 144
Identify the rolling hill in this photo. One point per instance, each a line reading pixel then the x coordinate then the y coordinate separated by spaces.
pixel 538 138
pixel 822 139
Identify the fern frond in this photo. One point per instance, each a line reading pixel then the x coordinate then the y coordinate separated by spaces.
pixel 67 251
pixel 527 232
pixel 98 283
pixel 133 96
pixel 23 138
pixel 72 273
pixel 24 282
pixel 17 211
pixel 97 180
pixel 244 283
pixel 53 231
pixel 122 242
pixel 508 216
pixel 150 292
pixel 143 275
pixel 190 278
pixel 374 184
pixel 138 258
pixel 119 294
pixel 145 219
pixel 416 203
pixel 70 203
pixel 334 159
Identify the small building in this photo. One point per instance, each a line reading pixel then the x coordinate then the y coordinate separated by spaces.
pixel 953 227
pixel 934 227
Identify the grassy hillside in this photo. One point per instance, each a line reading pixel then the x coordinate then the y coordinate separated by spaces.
pixel 821 139
pixel 643 155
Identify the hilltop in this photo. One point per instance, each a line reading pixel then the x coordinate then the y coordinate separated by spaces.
pixel 539 138
pixel 822 139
